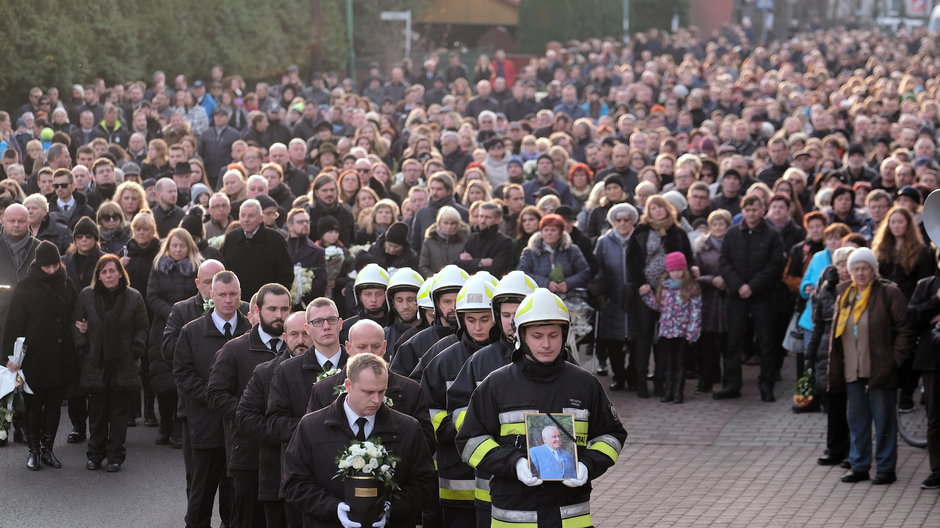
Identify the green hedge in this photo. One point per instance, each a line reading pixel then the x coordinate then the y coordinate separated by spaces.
pixel 542 21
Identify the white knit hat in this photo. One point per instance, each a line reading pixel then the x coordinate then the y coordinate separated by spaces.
pixel 864 255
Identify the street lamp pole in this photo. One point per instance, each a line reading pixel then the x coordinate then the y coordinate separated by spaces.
pixel 351 66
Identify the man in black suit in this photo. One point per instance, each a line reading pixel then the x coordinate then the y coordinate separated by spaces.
pixel 196 348
pixel 255 253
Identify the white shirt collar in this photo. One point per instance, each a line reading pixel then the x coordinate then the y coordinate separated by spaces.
pixel 266 338
pixel 220 323
pixel 351 417
pixel 69 203
pixel 334 359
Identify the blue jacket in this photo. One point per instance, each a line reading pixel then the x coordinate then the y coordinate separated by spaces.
pixel 817 264
pixel 537 263
pixel 546 466
pixel 532 187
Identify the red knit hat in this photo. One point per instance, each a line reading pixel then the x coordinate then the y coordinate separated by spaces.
pixel 676 261
pixel 553 220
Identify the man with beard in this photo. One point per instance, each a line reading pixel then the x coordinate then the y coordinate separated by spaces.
pixel 105 182
pixel 443 294
pixel 401 295
pixel 506 298
pixel 234 363
pixel 326 203
pixel 477 329
pixel 196 348
pixel 250 417
pixel 369 290
pixel 293 380
pixel 304 253
pixel 486 248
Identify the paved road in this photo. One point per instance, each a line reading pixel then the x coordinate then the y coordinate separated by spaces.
pixel 741 463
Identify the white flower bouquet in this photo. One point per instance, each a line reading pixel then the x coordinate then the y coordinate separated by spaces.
pixel 335 258
pixel 303 282
pixel 370 459
pixel 327 373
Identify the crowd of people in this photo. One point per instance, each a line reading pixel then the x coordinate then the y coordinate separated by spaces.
pixel 248 269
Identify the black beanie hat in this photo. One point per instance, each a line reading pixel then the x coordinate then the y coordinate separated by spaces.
pixel 86 226
pixel 47 254
pixel 397 234
pixel 613 179
pixel 192 222
pixel 326 224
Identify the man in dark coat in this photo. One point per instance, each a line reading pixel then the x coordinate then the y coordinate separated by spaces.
pixel 751 263
pixel 166 213
pixel 215 145
pixel 17 250
pixel 229 374
pixel 251 421
pixel 326 203
pixel 403 394
pixel 360 414
pixel 486 248
pixel 66 205
pixel 305 253
pixel 255 253
pixel 196 349
pixel 293 380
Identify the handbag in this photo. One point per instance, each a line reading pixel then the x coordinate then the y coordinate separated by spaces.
pixel 793 339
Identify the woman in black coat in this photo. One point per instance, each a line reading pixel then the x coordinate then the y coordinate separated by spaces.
pixel 657 234
pixel 111 335
pixel 44 301
pixel 79 262
pixel 138 261
pixel 172 279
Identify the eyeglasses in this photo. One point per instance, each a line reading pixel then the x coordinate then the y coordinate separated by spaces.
pixel 60 185
pixel 319 322
pixel 110 217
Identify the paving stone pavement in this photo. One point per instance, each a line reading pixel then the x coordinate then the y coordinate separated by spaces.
pixel 745 463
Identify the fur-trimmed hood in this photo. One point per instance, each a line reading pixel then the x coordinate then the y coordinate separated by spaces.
pixel 535 243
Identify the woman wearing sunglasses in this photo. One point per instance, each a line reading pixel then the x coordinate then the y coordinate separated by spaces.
pixel 115 233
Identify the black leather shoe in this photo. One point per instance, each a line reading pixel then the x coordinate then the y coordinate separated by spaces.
pixel 642 391
pixel 845 464
pixel 768 397
pixel 48 458
pixel 91 465
pixel 829 460
pixel 727 394
pixel 884 478
pixel 930 483
pixel 32 463
pixel 112 467
pixel 75 437
pixel 616 386
pixel 855 476
pixel 703 388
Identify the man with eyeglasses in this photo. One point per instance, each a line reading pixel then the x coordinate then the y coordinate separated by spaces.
pixel 700 203
pixel 295 378
pixel 65 204
pixel 304 253
pixel 411 172
pixel 220 211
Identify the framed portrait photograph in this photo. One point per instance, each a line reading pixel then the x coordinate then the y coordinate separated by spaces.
pixel 551 446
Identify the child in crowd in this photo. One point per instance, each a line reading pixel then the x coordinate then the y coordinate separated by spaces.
pixel 679 302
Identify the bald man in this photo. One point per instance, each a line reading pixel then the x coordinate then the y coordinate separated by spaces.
pixel 367 336
pixel 251 419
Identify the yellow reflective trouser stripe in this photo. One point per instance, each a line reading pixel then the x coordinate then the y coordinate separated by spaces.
pixel 482 492
pixel 512 429
pixel 495 523
pixel 485 447
pixel 458 420
pixel 581 521
pixel 456 495
pixel 606 449
pixel 437 416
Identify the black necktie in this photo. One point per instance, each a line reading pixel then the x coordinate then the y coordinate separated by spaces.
pixel 274 342
pixel 228 330
pixel 65 208
pixel 361 434
pixel 327 365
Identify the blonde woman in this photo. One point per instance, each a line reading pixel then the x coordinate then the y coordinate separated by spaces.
pixel 383 214
pixel 132 198
pixel 172 279
pixel 365 198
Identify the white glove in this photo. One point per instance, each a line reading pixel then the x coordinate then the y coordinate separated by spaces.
pixel 580 480
pixel 524 473
pixel 384 518
pixel 342 511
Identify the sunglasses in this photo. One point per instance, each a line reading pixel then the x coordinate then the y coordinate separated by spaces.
pixel 60 185
pixel 110 217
